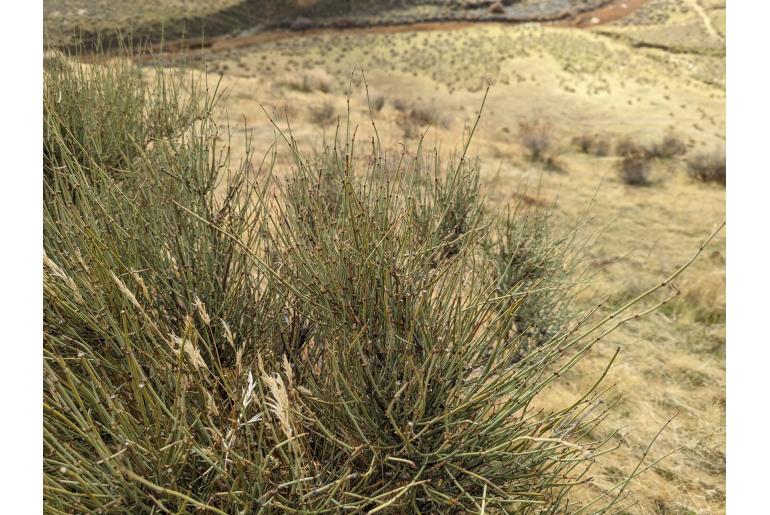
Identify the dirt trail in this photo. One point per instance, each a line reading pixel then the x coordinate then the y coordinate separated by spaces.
pixel 613 11
pixel 705 17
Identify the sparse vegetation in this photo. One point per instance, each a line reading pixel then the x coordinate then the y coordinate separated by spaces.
pixel 709 167
pixel 223 344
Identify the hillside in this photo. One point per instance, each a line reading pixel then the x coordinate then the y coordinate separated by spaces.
pixel 642 72
pixel 69 20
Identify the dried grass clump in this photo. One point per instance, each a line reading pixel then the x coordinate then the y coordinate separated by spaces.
pixel 298 351
pixel 709 166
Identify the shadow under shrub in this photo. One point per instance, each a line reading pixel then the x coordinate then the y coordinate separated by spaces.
pixel 208 346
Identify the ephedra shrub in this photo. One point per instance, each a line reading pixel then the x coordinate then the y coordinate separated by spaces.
pixel 539 267
pixel 217 343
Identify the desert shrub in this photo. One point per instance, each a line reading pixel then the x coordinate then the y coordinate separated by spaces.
pixel 377 102
pixel 669 147
pixel 627 147
pixel 151 312
pixel 452 194
pixel 496 7
pixel 310 81
pixel 592 144
pixel 400 105
pixel 537 137
pixel 106 115
pixel 635 170
pixel 207 348
pixel 301 23
pixel 414 118
pixel 539 269
pixel 709 166
pixel 323 114
pixel 425 114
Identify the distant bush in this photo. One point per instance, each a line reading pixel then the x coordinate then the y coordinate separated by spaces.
pixel 414 118
pixel 301 23
pixel 336 342
pixel 635 170
pixel 669 147
pixel 709 167
pixel 539 268
pixel 496 7
pixel 378 102
pixel 537 137
pixel 592 144
pixel 310 81
pixel 627 147
pixel 323 114
pixel 400 105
